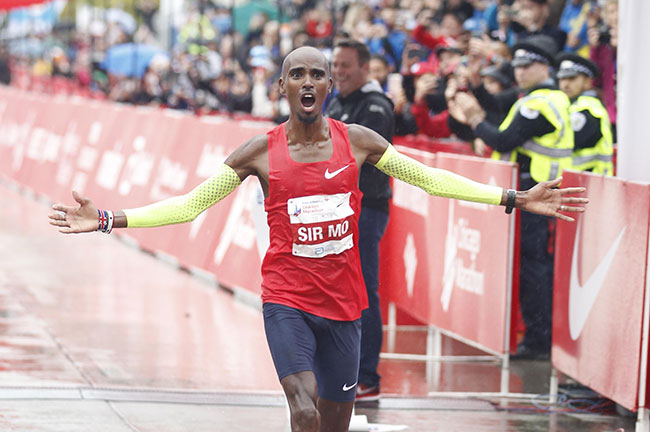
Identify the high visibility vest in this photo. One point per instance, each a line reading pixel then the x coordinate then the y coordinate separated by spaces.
pixel 551 153
pixel 598 158
pixel 196 33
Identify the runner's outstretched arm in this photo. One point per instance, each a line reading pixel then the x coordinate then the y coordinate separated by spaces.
pixel 179 209
pixel 544 198
pixel 174 210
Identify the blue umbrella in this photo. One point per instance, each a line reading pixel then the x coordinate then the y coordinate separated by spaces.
pixel 124 19
pixel 130 60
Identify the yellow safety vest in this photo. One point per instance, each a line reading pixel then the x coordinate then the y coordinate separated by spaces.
pixel 198 29
pixel 551 153
pixel 599 157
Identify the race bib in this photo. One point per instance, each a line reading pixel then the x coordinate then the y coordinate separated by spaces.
pixel 321 225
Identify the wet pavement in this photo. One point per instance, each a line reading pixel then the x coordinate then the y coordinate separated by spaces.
pixel 96 335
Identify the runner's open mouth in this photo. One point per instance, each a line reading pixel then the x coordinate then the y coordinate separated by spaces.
pixel 307 101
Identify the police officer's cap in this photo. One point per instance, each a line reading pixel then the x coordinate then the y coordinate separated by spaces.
pixel 536 48
pixel 570 65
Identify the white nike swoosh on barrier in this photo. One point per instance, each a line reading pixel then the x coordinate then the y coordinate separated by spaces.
pixel 582 297
pixel 329 175
pixel 346 387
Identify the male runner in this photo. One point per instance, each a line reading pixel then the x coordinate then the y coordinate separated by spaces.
pixel 312 290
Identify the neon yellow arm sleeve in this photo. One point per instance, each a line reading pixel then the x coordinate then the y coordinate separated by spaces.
pixel 436 181
pixel 185 208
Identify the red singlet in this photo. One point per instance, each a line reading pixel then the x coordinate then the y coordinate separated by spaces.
pixel 312 262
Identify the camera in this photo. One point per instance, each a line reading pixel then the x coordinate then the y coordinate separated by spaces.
pixel 604 35
pixel 510 12
pixel 417 52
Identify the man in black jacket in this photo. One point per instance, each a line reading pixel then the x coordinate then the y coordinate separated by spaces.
pixel 363 102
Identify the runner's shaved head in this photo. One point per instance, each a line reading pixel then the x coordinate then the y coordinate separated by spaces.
pixel 311 54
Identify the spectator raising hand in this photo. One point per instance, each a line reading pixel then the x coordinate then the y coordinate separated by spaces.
pixel 480 148
pixel 464 107
pixel 480 47
pixel 451 89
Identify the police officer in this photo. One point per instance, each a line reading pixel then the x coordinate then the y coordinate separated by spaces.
pixel 537 134
pixel 362 101
pixel 589 118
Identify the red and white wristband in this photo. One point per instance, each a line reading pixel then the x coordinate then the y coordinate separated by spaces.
pixel 106 219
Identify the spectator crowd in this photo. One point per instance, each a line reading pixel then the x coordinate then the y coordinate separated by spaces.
pixel 422 52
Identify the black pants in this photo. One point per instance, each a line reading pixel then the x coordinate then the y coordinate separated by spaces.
pixel 372 224
pixel 536 279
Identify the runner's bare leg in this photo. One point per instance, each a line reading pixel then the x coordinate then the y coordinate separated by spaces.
pixel 335 416
pixel 302 394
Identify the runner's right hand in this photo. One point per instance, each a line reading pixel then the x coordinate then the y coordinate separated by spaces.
pixel 71 220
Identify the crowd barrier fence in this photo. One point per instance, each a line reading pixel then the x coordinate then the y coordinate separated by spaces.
pixel 601 304
pixel 450 264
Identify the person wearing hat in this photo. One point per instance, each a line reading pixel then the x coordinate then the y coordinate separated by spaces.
pixel 589 118
pixel 537 134
pixel 497 78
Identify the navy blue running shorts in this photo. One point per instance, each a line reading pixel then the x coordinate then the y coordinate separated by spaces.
pixel 300 341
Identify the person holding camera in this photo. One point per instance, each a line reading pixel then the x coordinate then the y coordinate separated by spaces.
pixel 603 42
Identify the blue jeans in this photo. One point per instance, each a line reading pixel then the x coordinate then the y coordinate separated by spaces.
pixel 372 224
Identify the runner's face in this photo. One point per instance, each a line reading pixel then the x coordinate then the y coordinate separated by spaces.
pixel 306 84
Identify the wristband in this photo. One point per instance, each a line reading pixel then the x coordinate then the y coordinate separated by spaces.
pixel 510 201
pixel 106 219
pixel 111 219
pixel 102 219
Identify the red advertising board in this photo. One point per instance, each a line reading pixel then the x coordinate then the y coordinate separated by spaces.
pixel 403 273
pixel 600 274
pixel 446 261
pixel 469 286
pixel 122 156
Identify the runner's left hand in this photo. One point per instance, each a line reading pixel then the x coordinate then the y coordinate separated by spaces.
pixel 544 198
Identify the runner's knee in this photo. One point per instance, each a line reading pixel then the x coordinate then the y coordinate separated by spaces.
pixel 306 418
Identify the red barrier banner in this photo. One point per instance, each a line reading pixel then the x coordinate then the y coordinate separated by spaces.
pixel 122 156
pixel 600 276
pixel 446 261
pixel 405 245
